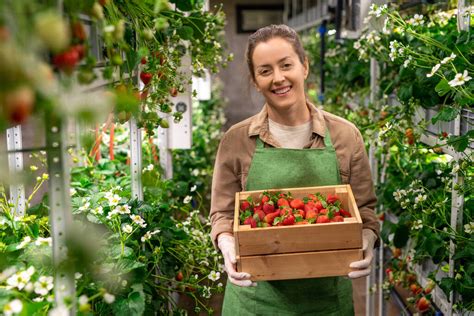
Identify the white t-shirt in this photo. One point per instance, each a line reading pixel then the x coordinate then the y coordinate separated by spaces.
pixel 295 137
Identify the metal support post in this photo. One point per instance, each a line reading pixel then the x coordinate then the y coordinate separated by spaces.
pixel 15 164
pixel 60 210
pixel 166 158
pixel 136 159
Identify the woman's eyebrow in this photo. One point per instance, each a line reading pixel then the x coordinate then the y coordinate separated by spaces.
pixel 279 61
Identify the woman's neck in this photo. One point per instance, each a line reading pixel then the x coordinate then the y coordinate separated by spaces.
pixel 293 116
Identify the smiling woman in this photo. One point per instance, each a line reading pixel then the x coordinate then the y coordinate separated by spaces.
pixel 289 144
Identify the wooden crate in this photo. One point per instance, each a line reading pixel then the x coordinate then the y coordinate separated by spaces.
pixel 299 251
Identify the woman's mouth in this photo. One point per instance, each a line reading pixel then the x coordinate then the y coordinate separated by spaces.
pixel 282 91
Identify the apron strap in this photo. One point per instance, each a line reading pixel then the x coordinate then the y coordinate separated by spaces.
pixel 327 139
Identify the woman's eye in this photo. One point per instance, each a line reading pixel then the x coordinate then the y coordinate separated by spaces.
pixel 265 72
pixel 286 65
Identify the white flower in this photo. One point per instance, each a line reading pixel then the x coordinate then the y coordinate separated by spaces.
pixel 206 292
pixel 399 194
pixel 220 284
pixel 150 167
pixel 187 199
pixel 113 199
pixel 448 59
pixel 420 198
pixel 109 298
pixel 85 206
pixel 123 209
pixel 43 285
pixel 193 188
pixel 77 275
pixel 149 234
pixel 127 228
pixel 407 61
pixel 33 168
pixel 357 45
pixel 25 241
pixel 8 272
pixel 376 10
pixel 112 213
pixel 72 191
pixel 214 276
pixel 38 299
pixel 418 19
pixel 137 219
pixel 331 32
pixel 385 29
pixel 20 279
pixel 44 241
pixel 83 300
pixel 433 70
pixel 469 228
pixel 59 311
pixel 14 307
pixel 455 169
pixel 417 224
pixel 98 210
pixel 460 79
pixel 195 172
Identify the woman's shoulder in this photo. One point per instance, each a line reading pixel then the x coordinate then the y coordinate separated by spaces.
pixel 240 129
pixel 334 122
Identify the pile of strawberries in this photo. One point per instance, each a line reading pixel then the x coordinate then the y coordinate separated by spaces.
pixel 280 209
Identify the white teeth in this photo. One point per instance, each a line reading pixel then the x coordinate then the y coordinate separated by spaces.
pixel 282 91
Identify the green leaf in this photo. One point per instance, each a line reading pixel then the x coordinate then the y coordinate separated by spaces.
pixel 465 252
pixel 402 233
pixel 442 87
pixel 459 143
pixel 446 114
pixel 387 229
pixel 447 285
pixel 184 5
pixel 127 265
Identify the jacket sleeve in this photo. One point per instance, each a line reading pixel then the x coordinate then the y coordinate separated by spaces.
pixel 360 179
pixel 225 183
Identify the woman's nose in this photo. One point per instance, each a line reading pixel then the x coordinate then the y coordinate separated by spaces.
pixel 278 76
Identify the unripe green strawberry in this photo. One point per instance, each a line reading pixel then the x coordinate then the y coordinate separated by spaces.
pixel 164 123
pixel 97 11
pixel 53 31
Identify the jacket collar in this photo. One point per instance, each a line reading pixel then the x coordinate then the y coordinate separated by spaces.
pixel 259 126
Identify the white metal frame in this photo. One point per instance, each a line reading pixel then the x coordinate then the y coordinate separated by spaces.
pixel 15 164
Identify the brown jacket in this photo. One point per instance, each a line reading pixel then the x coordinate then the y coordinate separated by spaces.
pixel 238 145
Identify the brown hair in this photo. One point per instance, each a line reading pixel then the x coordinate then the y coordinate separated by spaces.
pixel 266 33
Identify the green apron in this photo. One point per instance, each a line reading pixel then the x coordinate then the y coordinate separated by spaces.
pixel 274 168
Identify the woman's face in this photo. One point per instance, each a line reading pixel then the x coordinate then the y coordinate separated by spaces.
pixel 279 74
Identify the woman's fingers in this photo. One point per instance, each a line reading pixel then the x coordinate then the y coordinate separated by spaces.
pixel 359 273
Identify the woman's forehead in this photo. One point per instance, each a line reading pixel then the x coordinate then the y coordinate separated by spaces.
pixel 273 51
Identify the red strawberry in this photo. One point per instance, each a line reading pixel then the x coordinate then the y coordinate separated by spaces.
pixel 323 211
pixel 423 304
pixel 322 219
pixel 313 197
pixel 331 199
pixel 285 210
pixel 179 276
pixel 311 214
pixel 80 49
pixel 302 222
pixel 289 220
pixel 283 202
pixel 250 221
pixel 143 61
pixel 260 214
pixel 301 213
pixel 310 206
pixel 245 205
pixel 319 205
pixel 269 218
pixel 345 213
pixel 19 104
pixel 78 31
pixel 258 207
pixel 268 207
pixel 145 77
pixel 297 204
pixel 173 92
pixel 67 60
pixel 337 218
pixel 264 198
pixel 429 287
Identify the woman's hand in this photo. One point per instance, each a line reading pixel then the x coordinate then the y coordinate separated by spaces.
pixel 226 244
pixel 368 241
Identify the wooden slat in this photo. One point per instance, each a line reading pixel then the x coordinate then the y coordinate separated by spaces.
pixel 299 265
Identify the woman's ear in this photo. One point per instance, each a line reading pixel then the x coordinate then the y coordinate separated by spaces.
pixel 255 85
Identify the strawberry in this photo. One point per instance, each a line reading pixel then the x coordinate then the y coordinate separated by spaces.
pixel 297 204
pixel 173 92
pixel 337 218
pixel 268 207
pixel 260 214
pixel 423 304
pixel 319 205
pixel 145 77
pixel 289 220
pixel 19 104
pixel 323 211
pixel 264 198
pixel 80 49
pixel 52 30
pixel 258 207
pixel 429 287
pixel 269 218
pixel 311 214
pixel 66 61
pixel 283 202
pixel 322 219
pixel 301 213
pixel 304 222
pixel 250 221
pixel 331 198
pixel 310 206
pixel 285 210
pixel 313 197
pixel 179 276
pixel 344 213
pixel 78 31
pixel 409 136
pixel 397 252
pixel 245 205
pixel 143 61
